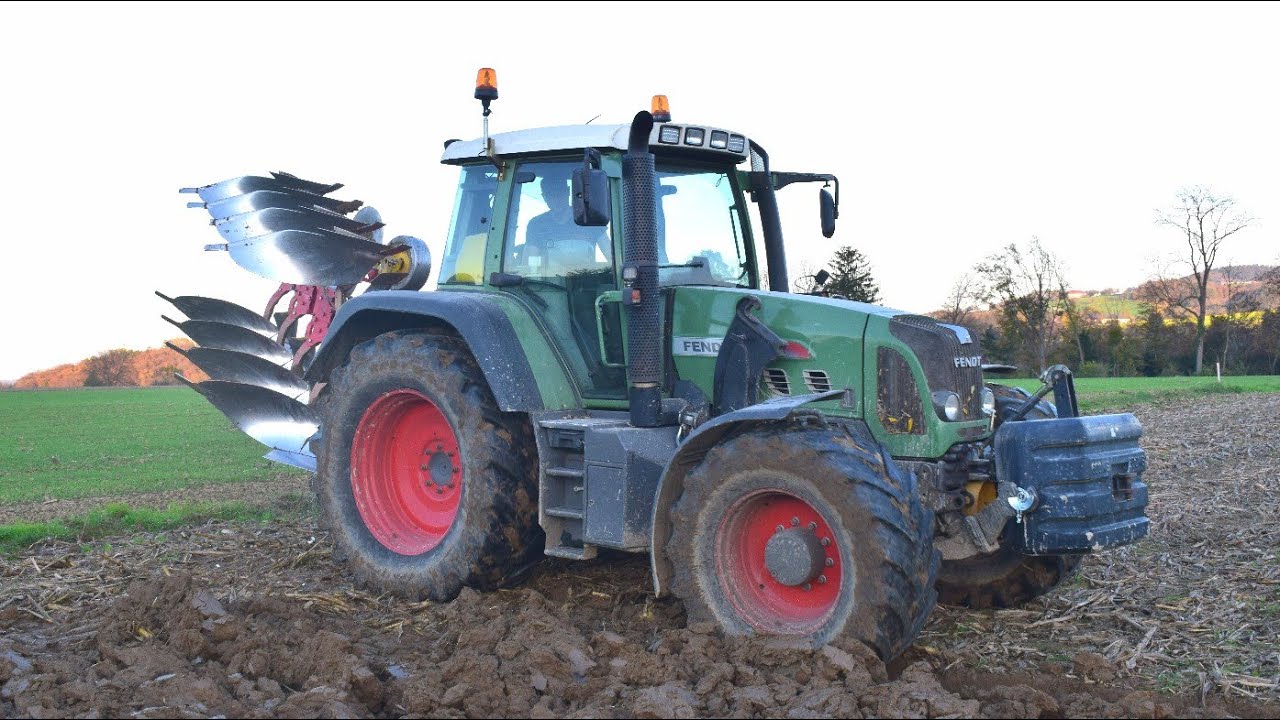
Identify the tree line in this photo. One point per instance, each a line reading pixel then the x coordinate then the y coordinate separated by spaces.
pixel 118 367
pixel 1193 315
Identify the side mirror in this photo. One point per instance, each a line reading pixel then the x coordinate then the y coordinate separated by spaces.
pixel 821 278
pixel 591 202
pixel 827 206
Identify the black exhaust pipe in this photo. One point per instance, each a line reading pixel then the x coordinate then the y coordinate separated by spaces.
pixel 766 197
pixel 640 275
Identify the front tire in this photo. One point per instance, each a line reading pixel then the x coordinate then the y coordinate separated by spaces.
pixel 808 534
pixel 426 486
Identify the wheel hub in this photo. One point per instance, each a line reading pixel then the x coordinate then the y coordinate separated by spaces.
pixel 794 556
pixel 439 469
pixel 778 563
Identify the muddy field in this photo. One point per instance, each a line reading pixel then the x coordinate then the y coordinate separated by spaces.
pixel 250 620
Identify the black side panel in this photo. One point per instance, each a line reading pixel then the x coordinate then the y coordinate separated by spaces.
pixel 476 318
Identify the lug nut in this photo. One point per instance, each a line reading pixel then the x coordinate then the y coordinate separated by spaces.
pixel 795 521
pixel 780 528
pixel 808 587
pixel 813 526
pixel 830 562
pixel 822 579
pixel 826 542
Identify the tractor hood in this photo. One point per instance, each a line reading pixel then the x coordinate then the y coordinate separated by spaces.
pixel 891 362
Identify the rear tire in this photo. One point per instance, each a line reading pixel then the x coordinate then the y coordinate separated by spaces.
pixel 426 486
pixel 1005 578
pixel 880 564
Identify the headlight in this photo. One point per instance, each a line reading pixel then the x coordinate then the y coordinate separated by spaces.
pixel 988 402
pixel 947 405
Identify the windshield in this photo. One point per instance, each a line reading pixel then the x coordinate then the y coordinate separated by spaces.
pixel 700 230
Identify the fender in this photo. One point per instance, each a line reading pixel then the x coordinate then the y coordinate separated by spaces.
pixel 695 448
pixel 476 317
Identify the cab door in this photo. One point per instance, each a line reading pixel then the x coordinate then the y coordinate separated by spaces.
pixel 567 274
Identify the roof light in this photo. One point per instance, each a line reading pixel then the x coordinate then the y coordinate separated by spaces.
pixel 694 136
pixel 719 139
pixel 486 84
pixel 669 135
pixel 737 144
pixel 660 109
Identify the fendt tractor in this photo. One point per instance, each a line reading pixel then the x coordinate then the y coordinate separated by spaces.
pixel 600 366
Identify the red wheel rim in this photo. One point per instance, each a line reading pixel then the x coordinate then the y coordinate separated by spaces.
pixel 759 599
pixel 406 472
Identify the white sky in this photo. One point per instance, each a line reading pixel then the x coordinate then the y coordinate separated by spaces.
pixel 955 129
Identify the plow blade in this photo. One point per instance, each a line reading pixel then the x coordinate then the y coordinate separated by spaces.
pixel 252 183
pixel 222 336
pixel 262 199
pixel 238 367
pixel 270 220
pixel 321 257
pixel 279 422
pixel 302 461
pixel 196 307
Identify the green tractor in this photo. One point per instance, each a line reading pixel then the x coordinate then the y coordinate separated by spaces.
pixel 599 367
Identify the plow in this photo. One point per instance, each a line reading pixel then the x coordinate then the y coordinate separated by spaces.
pixel 321 250
pixel 611 358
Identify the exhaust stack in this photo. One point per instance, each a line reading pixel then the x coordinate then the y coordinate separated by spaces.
pixel 640 275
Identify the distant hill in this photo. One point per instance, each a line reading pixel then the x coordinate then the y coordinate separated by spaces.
pixel 1126 305
pixel 155 366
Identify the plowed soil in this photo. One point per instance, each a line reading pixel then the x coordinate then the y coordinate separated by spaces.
pixel 244 620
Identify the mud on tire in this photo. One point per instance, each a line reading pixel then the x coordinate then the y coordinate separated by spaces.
pixel 495 531
pixel 882 538
pixel 1005 578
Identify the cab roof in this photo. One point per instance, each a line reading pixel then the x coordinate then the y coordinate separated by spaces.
pixel 668 138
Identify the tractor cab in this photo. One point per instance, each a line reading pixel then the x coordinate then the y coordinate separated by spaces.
pixel 513 229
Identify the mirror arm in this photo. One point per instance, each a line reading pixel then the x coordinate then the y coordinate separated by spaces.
pixel 783 179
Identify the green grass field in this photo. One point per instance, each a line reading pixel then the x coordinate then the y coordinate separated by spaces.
pixel 89 443
pixel 1098 394
pixel 120 518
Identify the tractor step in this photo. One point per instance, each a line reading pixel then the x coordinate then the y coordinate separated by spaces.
pixel 572 553
pixel 562 483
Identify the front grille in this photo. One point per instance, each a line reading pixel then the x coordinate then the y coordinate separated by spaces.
pixel 817 381
pixel 948 363
pixel 775 380
pixel 898 402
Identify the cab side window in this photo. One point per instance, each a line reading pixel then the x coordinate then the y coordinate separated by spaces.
pixel 542 239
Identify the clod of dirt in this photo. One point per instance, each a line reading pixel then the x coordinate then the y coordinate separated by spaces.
pixel 917 694
pixel 1093 666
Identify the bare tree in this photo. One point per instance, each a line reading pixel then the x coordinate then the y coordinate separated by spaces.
pixel 1204 221
pixel 806 281
pixel 1237 307
pixel 963 300
pixel 1027 286
pixel 1075 319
